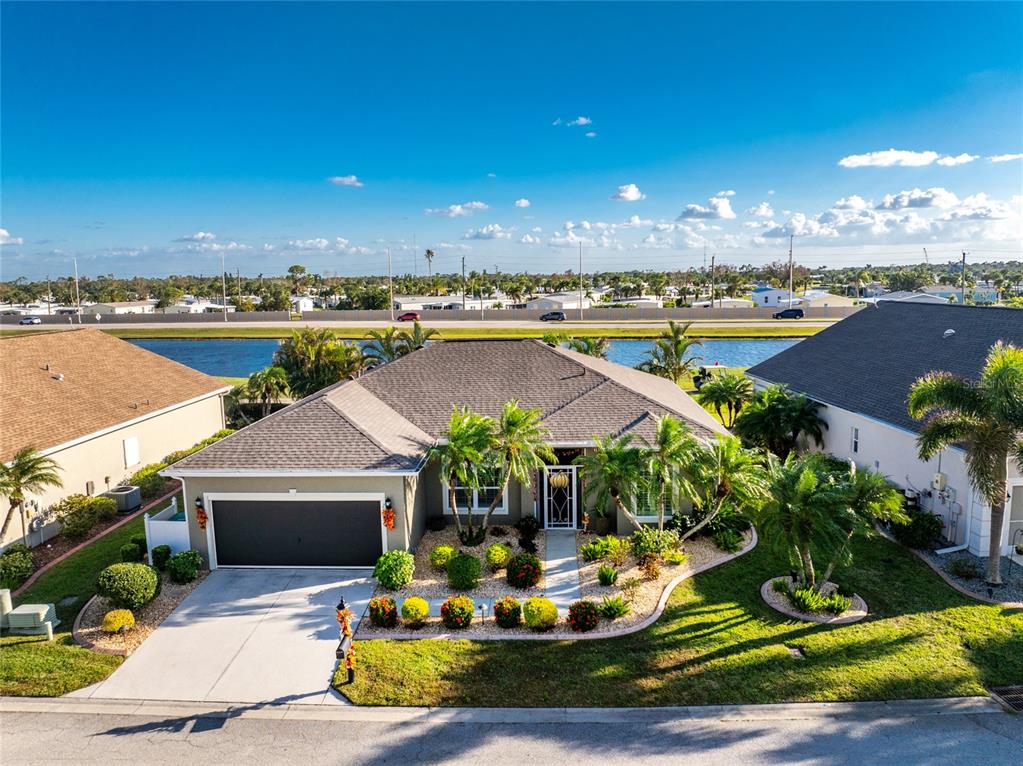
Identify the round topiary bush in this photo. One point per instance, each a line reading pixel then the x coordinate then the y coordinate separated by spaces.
pixel 498 556
pixel 464 572
pixel 540 614
pixel 117 620
pixel 524 570
pixel 440 556
pixel 508 612
pixel 414 612
pixel 583 616
pixel 15 566
pixel 394 569
pixel 161 553
pixel 130 552
pixel 184 566
pixel 383 612
pixel 457 612
pixel 129 586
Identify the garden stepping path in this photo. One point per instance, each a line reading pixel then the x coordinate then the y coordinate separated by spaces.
pixel 561 570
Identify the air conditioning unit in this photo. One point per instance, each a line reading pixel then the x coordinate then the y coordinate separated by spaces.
pixel 938 482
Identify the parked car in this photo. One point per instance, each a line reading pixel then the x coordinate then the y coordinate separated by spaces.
pixel 788 314
pixel 409 316
pixel 553 316
pixel 30 320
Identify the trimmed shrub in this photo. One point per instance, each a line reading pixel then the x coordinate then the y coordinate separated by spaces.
pixel 598 549
pixel 394 569
pixel 15 566
pixel 650 564
pixel 440 555
pixel 140 541
pixel 498 556
pixel 780 586
pixel 128 586
pixel 728 540
pixel 675 558
pixel 117 620
pixel 540 614
pixel 651 540
pixel 836 603
pixel 921 531
pixel 457 612
pixel 527 544
pixel 607 575
pixel 383 612
pixel 105 509
pixel 613 607
pixel 16 548
pixel 464 572
pixel 161 553
pixel 499 531
pixel 414 612
pixel 149 481
pixel 76 514
pixel 809 600
pixel 528 527
pixel 583 616
pixel 130 552
pixel 524 570
pixel 184 566
pixel 508 612
pixel 964 568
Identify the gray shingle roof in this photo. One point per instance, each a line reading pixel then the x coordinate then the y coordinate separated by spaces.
pixel 867 362
pixel 385 420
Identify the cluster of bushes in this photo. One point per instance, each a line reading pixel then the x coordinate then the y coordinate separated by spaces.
pixel 726 529
pixel 134 549
pixel 132 584
pixel 78 514
pixel 921 531
pixel 15 565
pixel 528 528
pixel 148 479
pixel 812 601
pixel 650 547
pixel 522 570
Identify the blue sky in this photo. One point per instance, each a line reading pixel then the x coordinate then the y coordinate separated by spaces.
pixel 152 138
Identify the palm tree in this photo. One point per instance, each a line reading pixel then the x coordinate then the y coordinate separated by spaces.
pixel 613 472
pixel 519 448
pixel 430 255
pixel 726 394
pixel 776 419
pixel 386 346
pixel 268 386
pixel 462 456
pixel 597 347
pixel 985 418
pixel 28 473
pixel 666 460
pixel 416 339
pixel 671 355
pixel 233 399
pixel 314 358
pixel 724 474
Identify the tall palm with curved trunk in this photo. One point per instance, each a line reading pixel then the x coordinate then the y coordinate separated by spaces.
pixel 666 458
pixel 519 448
pixel 613 473
pixel 672 354
pixel 597 347
pixel 268 386
pixel 725 474
pixel 27 473
pixel 462 456
pixel 727 394
pixel 985 418
pixel 416 338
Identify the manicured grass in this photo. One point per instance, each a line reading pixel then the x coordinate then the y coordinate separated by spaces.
pixel 718 643
pixel 233 381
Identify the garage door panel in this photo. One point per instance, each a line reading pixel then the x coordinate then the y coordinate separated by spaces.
pixel 297 532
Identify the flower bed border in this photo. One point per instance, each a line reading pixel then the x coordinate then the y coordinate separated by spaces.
pixel 634 628
pixel 853 614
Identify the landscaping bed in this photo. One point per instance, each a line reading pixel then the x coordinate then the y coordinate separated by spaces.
pixel 968 572
pixel 780 602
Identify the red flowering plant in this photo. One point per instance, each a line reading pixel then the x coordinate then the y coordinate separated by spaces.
pixel 383 612
pixel 524 570
pixel 457 612
pixel 583 616
pixel 508 612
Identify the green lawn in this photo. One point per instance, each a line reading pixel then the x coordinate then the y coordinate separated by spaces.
pixel 31 666
pixel 233 381
pixel 718 643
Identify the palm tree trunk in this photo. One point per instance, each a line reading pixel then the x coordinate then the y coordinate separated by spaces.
pixel 453 503
pixel 834 561
pixel 808 573
pixel 703 522
pixel 7 520
pixel 497 499
pixel 627 513
pixel 994 549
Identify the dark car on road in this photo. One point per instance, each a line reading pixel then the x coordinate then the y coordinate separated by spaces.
pixel 409 316
pixel 788 314
pixel 553 316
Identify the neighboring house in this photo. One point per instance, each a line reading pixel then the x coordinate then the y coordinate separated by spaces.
pixel 861 370
pixel 123 307
pixel 557 302
pixel 725 303
pixel 306 486
pixel 906 296
pixel 777 297
pixel 100 407
pixel 197 306
pixel 440 302
pixel 952 293
pixel 300 303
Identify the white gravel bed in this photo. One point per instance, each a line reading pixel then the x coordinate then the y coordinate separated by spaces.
pixel 779 602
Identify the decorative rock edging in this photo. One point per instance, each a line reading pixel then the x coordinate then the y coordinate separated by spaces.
pixel 86 643
pixel 854 613
pixel 39 572
pixel 948 580
pixel 634 628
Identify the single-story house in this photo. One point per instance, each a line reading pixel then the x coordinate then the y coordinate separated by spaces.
pixel 301 303
pixel 779 297
pixel 98 406
pixel 952 293
pixel 307 485
pixel 124 307
pixel 557 302
pixel 861 369
pixel 197 306
pixel 907 296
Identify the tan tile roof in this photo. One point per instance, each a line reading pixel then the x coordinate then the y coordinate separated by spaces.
pixel 105 382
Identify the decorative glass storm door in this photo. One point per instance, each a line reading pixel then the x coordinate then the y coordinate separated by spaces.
pixel 559 496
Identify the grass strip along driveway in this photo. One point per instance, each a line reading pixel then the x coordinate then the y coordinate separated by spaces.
pixel 719 643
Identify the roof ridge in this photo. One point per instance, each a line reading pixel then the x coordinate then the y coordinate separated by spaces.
pixel 582 394
pixel 353 424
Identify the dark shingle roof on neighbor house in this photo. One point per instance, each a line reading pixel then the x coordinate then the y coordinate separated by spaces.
pixel 384 420
pixel 867 362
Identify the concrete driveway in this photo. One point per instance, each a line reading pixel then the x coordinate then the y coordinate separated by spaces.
pixel 245 635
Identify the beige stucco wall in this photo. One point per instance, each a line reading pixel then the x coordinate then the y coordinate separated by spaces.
pixel 100 459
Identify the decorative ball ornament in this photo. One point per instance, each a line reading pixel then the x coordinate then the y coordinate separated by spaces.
pixel 559 481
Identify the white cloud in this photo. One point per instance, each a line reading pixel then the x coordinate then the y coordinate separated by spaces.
pixel 717 207
pixel 888 158
pixel 557 121
pixel 309 244
pixel 763 210
pixel 960 159
pixel 522 202
pixel 537 230
pixel 199 236
pixel 345 181
pixel 491 175
pixel 978 207
pixel 268 248
pixel 1006 157
pixel 457 211
pixel 7 239
pixel 580 120
pixel 636 222
pixel 726 193
pixel 628 193
pixel 933 197
pixel 852 202
pixel 591 134
pixel 529 239
pixel 770 192
pixel 490 231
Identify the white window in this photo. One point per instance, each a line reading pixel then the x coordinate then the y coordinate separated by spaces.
pixel 855 440
pixel 477 500
pixel 131 452
pixel 645 513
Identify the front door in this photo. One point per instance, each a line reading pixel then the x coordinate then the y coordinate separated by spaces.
pixel 559 496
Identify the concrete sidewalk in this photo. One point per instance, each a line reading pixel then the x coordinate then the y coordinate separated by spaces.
pixel 561 569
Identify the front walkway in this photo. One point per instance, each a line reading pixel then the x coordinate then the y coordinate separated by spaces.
pixel 561 569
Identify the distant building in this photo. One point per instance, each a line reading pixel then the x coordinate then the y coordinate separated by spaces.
pixel 197 306
pixel 558 302
pixel 776 297
pixel 300 303
pixel 725 303
pixel 448 302
pixel 907 296
pixel 952 293
pixel 124 307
